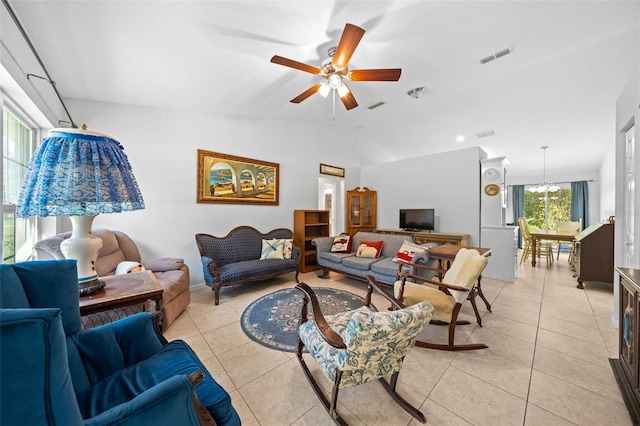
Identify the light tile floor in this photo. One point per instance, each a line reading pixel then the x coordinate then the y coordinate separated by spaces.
pixel 547 362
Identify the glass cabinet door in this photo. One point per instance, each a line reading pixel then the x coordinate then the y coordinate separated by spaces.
pixel 355 212
pixel 367 211
pixel 628 329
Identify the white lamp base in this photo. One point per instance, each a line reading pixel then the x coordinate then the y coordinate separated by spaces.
pixel 84 247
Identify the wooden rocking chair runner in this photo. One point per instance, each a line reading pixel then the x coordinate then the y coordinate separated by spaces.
pixel 359 346
pixel 447 298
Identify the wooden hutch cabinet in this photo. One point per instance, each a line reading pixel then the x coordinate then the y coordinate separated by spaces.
pixel 361 210
pixel 626 367
pixel 307 225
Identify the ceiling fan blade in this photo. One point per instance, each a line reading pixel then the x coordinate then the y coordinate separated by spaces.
pixel 295 64
pixel 348 42
pixel 349 100
pixel 304 95
pixel 382 74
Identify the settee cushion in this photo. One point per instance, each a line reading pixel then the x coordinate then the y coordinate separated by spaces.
pixel 334 257
pixel 363 263
pixel 385 266
pixel 247 269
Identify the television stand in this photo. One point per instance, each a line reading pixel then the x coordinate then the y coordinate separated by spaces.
pixel 423 237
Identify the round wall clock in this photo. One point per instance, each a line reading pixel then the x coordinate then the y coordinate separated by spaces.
pixel 492 190
pixel 491 174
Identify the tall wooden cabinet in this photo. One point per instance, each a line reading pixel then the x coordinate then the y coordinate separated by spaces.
pixel 307 225
pixel 361 210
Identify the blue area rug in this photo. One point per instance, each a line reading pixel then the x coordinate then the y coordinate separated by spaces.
pixel 272 320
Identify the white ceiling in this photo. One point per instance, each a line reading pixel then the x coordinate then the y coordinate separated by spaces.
pixel 558 87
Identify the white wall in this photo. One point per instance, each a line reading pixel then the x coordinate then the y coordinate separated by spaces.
pixel 162 149
pixel 447 182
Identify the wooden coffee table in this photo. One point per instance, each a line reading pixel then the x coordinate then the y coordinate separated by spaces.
pixel 123 291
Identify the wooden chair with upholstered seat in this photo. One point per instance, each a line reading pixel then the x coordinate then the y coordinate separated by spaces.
pixel 568 227
pixel 544 248
pixel 446 296
pixel 359 346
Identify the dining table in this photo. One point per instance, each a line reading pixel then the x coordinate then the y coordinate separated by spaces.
pixel 548 235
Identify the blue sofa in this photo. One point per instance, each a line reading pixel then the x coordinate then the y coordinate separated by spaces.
pixel 235 258
pixel 122 373
pixel 383 268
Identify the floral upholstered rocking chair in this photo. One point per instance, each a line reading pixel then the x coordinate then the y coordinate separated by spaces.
pixel 359 346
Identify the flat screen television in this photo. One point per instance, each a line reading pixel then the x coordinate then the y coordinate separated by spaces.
pixel 417 219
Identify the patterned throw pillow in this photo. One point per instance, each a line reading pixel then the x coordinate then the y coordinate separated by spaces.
pixel 287 248
pixel 342 244
pixel 369 249
pixel 272 249
pixel 408 250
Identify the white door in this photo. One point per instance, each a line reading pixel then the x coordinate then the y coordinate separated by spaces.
pixel 629 198
pixel 330 194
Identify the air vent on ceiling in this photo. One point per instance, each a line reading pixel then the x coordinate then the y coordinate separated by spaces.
pixel 485 133
pixel 376 105
pixel 496 55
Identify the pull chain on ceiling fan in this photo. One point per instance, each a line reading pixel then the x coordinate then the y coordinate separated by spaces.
pixel 335 69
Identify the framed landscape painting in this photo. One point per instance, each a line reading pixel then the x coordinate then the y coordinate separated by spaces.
pixel 224 178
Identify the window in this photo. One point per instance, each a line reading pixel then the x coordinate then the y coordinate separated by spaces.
pixel 18 234
pixel 559 208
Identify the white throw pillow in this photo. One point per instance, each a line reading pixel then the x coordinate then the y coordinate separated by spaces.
pixel 272 249
pixel 408 250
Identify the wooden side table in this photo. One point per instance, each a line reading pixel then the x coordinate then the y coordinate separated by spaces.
pixel 121 292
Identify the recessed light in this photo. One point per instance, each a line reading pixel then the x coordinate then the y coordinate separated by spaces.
pixel 460 138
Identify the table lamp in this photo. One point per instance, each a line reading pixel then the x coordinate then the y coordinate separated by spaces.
pixel 79 174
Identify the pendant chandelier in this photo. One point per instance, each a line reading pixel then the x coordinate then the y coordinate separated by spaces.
pixel 544 186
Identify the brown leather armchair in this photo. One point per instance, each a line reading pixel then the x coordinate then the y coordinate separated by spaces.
pixel 117 247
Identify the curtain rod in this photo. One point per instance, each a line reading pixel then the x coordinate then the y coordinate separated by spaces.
pixel 35 53
pixel 525 184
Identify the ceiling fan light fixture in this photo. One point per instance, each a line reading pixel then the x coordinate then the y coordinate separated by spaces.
pixel 334 80
pixel 343 90
pixel 417 92
pixel 324 89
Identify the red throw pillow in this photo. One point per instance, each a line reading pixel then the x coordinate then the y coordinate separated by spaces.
pixel 342 244
pixel 369 249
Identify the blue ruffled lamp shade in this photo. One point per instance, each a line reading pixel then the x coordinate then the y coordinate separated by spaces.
pixel 79 174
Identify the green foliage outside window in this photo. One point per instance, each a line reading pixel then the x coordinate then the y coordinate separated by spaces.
pixel 559 208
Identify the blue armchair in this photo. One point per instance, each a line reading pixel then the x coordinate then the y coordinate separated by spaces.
pixel 125 372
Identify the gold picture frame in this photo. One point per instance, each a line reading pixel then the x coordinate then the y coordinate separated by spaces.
pixel 224 178
pixel 326 169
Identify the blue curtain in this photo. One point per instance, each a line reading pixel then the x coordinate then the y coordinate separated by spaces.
pixel 580 202
pixel 518 207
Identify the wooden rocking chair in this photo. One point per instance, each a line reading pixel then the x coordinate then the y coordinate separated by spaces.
pixel 359 346
pixel 446 296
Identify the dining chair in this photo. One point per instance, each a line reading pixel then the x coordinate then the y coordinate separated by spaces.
pixel 544 248
pixel 568 227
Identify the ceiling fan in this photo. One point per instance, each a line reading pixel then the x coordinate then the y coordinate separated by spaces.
pixel 335 68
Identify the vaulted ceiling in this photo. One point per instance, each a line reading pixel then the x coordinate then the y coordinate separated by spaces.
pixel 558 86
